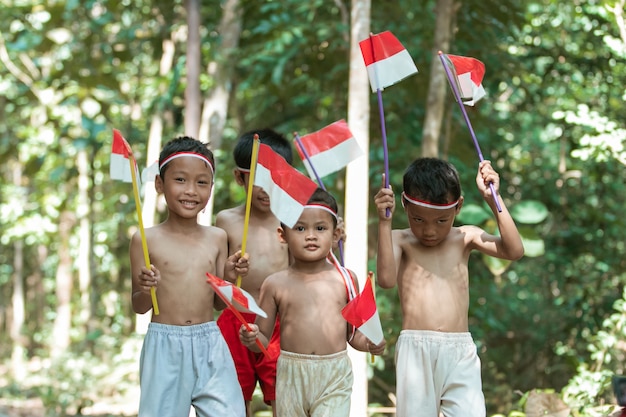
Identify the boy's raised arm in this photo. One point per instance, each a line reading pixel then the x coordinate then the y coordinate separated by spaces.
pixel 386 263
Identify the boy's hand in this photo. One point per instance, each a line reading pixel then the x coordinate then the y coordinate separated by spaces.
pixel 378 349
pixel 486 174
pixel 237 265
pixel 384 200
pixel 149 278
pixel 248 338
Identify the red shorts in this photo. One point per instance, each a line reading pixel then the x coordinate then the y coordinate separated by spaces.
pixel 251 366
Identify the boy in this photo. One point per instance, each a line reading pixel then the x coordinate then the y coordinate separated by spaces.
pixel 184 359
pixel 314 374
pixel 267 254
pixel 437 367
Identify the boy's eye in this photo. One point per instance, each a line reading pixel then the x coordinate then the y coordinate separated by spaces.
pixel 299 228
pixel 202 182
pixel 321 228
pixel 179 179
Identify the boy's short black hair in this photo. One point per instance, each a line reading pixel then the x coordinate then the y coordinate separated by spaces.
pixel 184 144
pixel 323 197
pixel 433 180
pixel 243 149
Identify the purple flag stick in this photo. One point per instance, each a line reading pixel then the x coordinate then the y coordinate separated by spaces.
pixel 381 114
pixel 319 181
pixel 457 96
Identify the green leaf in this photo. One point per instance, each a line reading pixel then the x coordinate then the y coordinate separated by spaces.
pixel 529 212
pixel 473 214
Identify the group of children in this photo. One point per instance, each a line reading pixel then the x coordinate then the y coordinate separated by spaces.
pixel 189 359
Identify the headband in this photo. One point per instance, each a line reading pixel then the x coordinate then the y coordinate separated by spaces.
pixel 192 154
pixel 244 170
pixel 322 207
pixel 427 204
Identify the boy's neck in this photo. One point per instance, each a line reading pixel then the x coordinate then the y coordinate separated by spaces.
pixel 310 267
pixel 181 224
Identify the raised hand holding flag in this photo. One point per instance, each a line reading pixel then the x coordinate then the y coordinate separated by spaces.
pixel 121 153
pixel 387 62
pixel 453 66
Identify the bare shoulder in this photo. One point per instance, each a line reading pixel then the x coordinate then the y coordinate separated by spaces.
pixel 230 216
pixel 215 232
pixel 470 232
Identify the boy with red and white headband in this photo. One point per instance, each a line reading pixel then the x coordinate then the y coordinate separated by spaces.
pixel 314 373
pixel 184 360
pixel 437 366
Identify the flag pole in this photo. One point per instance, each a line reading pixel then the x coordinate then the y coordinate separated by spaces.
pixel 239 317
pixel 381 115
pixel 319 181
pixel 457 96
pixel 144 244
pixel 246 221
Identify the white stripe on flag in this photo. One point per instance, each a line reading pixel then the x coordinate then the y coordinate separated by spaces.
pixel 285 208
pixel 391 70
pixel 334 159
pixel 120 168
pixel 372 329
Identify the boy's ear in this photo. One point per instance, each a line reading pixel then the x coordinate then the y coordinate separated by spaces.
pixel 281 235
pixel 158 184
pixel 238 176
pixel 459 205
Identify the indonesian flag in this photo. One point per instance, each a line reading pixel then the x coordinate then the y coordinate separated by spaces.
pixel 328 149
pixel 362 313
pixel 121 152
pixel 469 73
pixel 234 297
pixel 289 190
pixel 387 61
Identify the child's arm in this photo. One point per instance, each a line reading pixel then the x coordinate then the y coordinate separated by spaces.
pixel 221 241
pixel 509 244
pixel 362 343
pixel 142 278
pixel 388 256
pixel 262 328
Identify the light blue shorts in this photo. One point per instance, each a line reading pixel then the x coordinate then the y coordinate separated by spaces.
pixel 184 366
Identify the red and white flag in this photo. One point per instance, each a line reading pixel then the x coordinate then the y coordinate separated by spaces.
pixel 121 152
pixel 469 73
pixel 329 149
pixel 387 61
pixel 362 313
pixel 234 297
pixel 289 190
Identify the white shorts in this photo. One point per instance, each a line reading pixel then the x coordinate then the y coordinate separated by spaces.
pixel 313 385
pixel 184 366
pixel 438 372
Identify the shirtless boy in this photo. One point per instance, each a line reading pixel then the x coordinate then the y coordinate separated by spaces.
pixel 437 366
pixel 314 373
pixel 184 359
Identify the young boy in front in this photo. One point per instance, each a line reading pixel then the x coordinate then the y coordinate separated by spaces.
pixel 437 366
pixel 184 359
pixel 267 255
pixel 314 373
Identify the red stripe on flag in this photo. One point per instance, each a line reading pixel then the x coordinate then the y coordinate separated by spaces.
pixel 464 64
pixel 379 47
pixel 326 138
pixel 120 146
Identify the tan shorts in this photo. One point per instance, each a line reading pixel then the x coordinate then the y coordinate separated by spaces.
pixel 438 372
pixel 313 385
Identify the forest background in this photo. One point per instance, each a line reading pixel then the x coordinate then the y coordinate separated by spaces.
pixel 552 123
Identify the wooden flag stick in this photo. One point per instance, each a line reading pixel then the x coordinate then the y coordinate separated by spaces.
pixel 144 244
pixel 246 221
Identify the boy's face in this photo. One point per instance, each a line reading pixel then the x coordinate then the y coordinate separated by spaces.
pixel 431 226
pixel 260 200
pixel 312 237
pixel 186 185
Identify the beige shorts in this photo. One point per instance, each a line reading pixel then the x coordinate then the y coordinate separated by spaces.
pixel 313 385
pixel 438 372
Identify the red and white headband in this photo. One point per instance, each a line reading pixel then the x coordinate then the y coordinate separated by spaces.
pixel 244 170
pixel 428 204
pixel 322 207
pixel 192 154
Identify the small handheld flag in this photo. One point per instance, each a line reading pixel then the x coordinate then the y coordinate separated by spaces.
pixel 477 71
pixel 468 74
pixel 387 62
pixel 121 151
pixel 362 313
pixel 237 300
pixel 289 189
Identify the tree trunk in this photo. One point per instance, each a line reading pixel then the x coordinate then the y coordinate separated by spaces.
pixel 437 85
pixel 357 183
pixel 192 90
pixel 215 108
pixel 17 299
pixel 84 247
pixel 63 319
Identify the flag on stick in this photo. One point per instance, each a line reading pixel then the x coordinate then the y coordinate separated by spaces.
pixel 468 74
pixel 237 300
pixel 121 151
pixel 362 313
pixel 328 150
pixel 289 190
pixel 449 67
pixel 387 62
pixel 246 221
